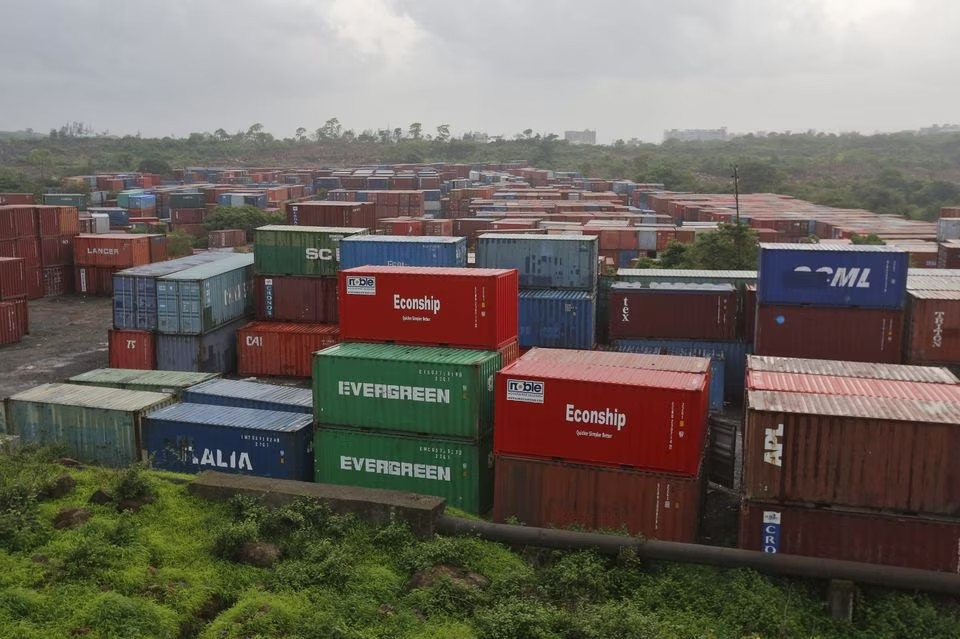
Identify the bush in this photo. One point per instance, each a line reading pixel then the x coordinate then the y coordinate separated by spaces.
pixel 113 615
pixel 514 618
pixel 577 577
pixel 20 525
pixel 230 538
pixel 179 243
pixel 240 217
pixel 131 483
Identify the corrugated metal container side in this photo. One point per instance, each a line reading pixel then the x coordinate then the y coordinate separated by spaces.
pixel 876 538
pixel 296 299
pixel 13 278
pixel 749 312
pixel 461 472
pixel 94 280
pixel 717 368
pixel 891 454
pixel 650 276
pixel 213 352
pixel 99 425
pixel 933 328
pixel 57 280
pixel 111 250
pixel 226 238
pixel 199 299
pixel 299 250
pixel 854 334
pixel 282 349
pixel 392 250
pixel 851 386
pixel 464 307
pixel 170 382
pixel 56 251
pixel 257 395
pixel 557 319
pixel 653 420
pixel 688 311
pixel 832 275
pixel 11 329
pixel 415 389
pixel 547 494
pixel 543 261
pixel 189 438
pixel 896 372
pixel 131 349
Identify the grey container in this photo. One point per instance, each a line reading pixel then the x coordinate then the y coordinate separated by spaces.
pixel 543 261
pixel 245 394
pixel 213 352
pixel 201 298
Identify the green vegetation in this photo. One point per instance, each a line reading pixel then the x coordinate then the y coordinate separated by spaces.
pixel 733 247
pixel 240 217
pixel 183 567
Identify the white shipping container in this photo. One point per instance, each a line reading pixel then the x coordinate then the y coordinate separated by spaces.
pixel 948 228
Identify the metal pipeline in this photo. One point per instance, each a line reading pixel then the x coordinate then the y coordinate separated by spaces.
pixel 774 564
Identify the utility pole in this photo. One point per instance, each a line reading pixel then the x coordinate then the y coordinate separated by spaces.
pixel 736 196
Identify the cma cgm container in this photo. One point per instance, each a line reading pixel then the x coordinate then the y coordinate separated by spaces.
pixel 933 327
pixel 548 493
pixel 606 415
pixel 457 470
pixel 557 319
pixel 189 438
pixel 118 250
pixel 926 374
pixel 864 452
pixel 681 311
pixel 299 250
pixel 394 250
pixel 245 394
pixel 854 334
pixel 282 349
pixel 471 308
pixel 213 352
pixel 199 299
pixel 131 349
pixel 171 382
pixel 296 299
pixel 543 261
pixel 832 275
pixel 99 425
pixel 434 391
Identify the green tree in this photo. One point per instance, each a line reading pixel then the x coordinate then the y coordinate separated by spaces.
pixel 221 134
pixel 397 134
pixel 42 160
pixel 240 217
pixel 416 130
pixel 301 134
pixel 155 165
pixel 443 133
pixel 866 239
pixel 254 131
pixel 731 247
pixel 675 255
pixel 179 243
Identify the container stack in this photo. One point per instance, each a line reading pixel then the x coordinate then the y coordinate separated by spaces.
pixel 557 274
pixel 43 237
pixel 187 213
pixel 99 257
pixel 14 317
pixel 852 461
pixel 933 317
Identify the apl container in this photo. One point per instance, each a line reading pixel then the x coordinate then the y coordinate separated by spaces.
pixel 470 308
pixel 933 328
pixel 459 471
pixel 213 352
pixel 415 389
pixel 299 250
pixel 832 275
pixel 678 311
pixel 189 438
pixel 395 250
pixel 557 319
pixel 131 349
pixel 282 349
pixel 851 386
pixel 170 382
pixel 244 394
pixel 543 261
pixel 296 299
pixel 199 299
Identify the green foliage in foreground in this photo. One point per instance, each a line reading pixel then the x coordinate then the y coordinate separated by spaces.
pixel 169 571
pixel 733 247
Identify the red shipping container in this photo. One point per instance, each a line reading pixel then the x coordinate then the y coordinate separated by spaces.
pixel 111 250
pixel 27 248
pixel 509 353
pixel 851 334
pixel 337 214
pixel 226 238
pixel 471 227
pixel 131 349
pixel 546 493
pixel 94 280
pixel 702 311
pixel 13 278
pixel 53 221
pixel 933 328
pixel 57 280
pixel 11 329
pixel 28 198
pixel 296 299
pixel 876 538
pixel 613 416
pixel 187 216
pixel 442 228
pixel 158 248
pixel 34 282
pixel 466 307
pixel 17 221
pixel 23 314
pixel 851 386
pixel 749 312
pixel 401 226
pixel 282 349
pixel 56 251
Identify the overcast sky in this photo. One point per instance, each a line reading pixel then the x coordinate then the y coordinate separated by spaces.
pixel 628 68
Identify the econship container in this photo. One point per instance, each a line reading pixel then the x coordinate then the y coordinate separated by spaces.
pixel 201 298
pixel 548 493
pixel 213 352
pixel 866 452
pixel 865 536
pixel 282 349
pixel 470 308
pixel 851 386
pixel 119 250
pixel 99 425
pixel 131 349
pixel 394 250
pixel 296 299
pixel 853 334
pixel 557 318
pixel 244 394
pixel 644 419
pixel 13 278
pixel 189 438
pixel 896 372
pixel 170 382
pixel 457 470
pixel 933 327
pixel 832 275
pixel 299 250
pixel 679 311
pixel 543 261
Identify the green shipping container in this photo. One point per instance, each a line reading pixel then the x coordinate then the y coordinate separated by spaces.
pixel 78 200
pixel 299 250
pixel 460 472
pixel 123 197
pixel 171 382
pixel 413 389
pixel 186 201
pixel 93 424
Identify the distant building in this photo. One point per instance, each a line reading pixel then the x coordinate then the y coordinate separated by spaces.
pixel 580 137
pixel 696 135
pixel 937 129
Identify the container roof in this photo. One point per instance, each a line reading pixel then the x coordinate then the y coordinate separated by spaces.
pixel 894 372
pixel 403 239
pixel 92 397
pixel 907 410
pixel 234 417
pixel 397 352
pixel 832 248
pixel 255 391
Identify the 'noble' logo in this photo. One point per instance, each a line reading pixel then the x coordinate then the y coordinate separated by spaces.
pixel 525 390
pixel 361 285
pixel 773 445
pixel 842 277
pixel 322 254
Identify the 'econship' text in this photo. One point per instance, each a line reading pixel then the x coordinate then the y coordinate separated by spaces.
pixel 394 391
pixel 416 304
pixel 604 417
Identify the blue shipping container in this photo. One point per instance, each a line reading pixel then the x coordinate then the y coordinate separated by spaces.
pixel 243 394
pixel 557 319
pixel 142 201
pixel 189 438
pixel 431 195
pixel 213 352
pixel 832 275
pixel 118 216
pixel 717 368
pixel 543 261
pixel 398 250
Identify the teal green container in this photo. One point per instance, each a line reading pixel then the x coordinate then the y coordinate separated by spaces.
pixel 411 389
pixel 460 472
pixel 204 297
pixel 94 424
pixel 299 250
pixel 186 201
pixel 170 382
pixel 77 200
pixel 123 197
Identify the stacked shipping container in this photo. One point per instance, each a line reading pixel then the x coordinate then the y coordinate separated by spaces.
pixel 14 314
pixel 43 237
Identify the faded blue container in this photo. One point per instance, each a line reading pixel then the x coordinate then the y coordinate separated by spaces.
pixel 543 261
pixel 431 195
pixel 557 319
pixel 243 394
pixel 378 183
pixel 201 298
pixel 398 250
pixel 187 200
pixel 117 216
pixel 832 275
pixel 189 438
pixel 213 352
pixel 717 368
pixel 625 257
pixel 142 201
